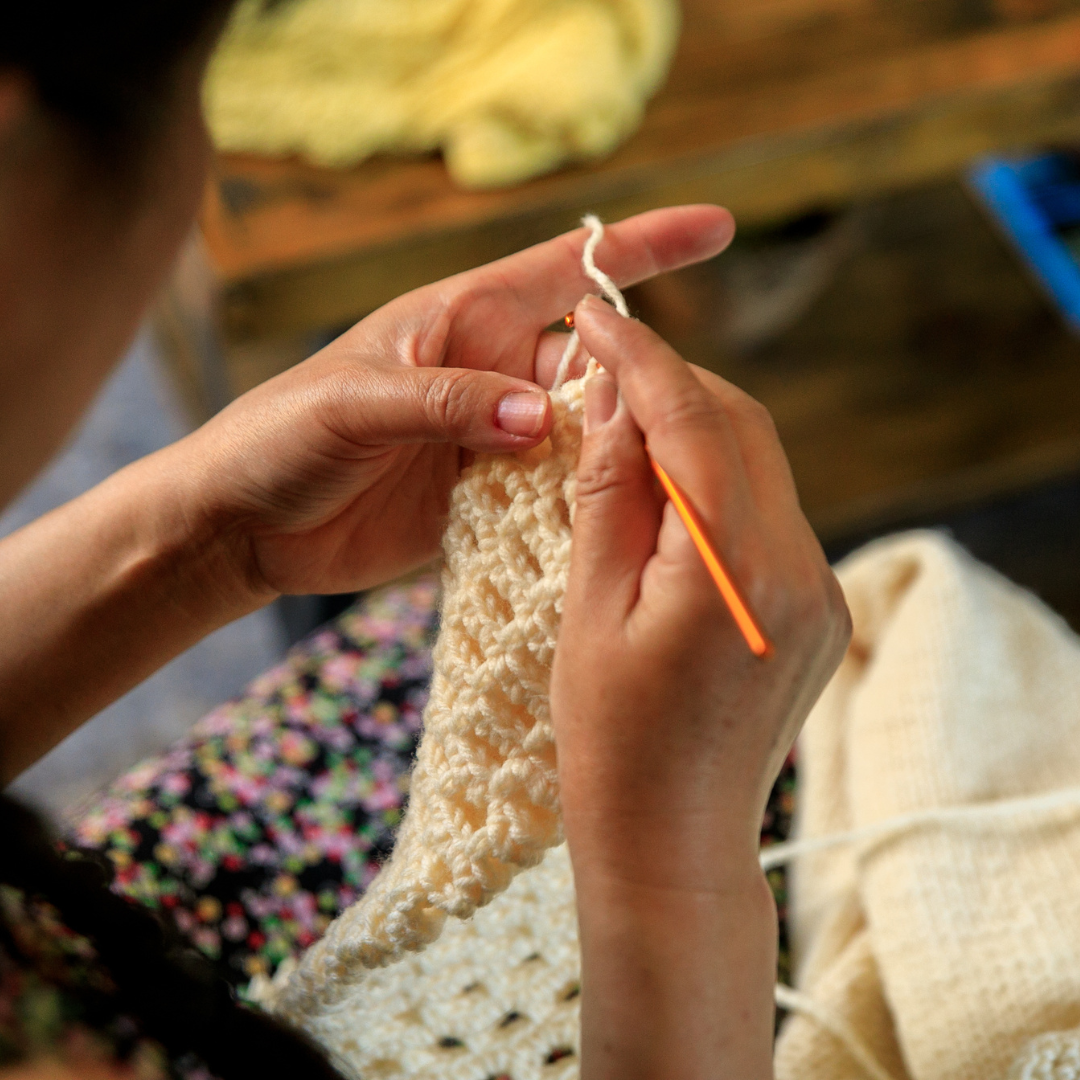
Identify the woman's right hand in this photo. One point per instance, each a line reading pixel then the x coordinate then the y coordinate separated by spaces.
pixel 670 732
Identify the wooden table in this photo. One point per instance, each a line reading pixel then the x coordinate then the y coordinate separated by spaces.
pixel 771 107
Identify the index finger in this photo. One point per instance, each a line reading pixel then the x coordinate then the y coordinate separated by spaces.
pixel 546 281
pixel 687 428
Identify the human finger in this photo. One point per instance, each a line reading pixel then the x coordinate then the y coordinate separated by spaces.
pixel 529 290
pixel 686 427
pixel 549 353
pixel 762 453
pixel 483 411
pixel 616 509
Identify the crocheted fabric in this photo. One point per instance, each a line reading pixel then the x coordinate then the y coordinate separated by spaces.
pixel 495 996
pixel 1054 1056
pixel 483 799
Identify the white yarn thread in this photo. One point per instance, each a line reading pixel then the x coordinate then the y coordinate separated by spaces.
pixel 796 1001
pixel 1016 813
pixel 588 263
pixel 1011 811
pixel 563 370
pixel 607 287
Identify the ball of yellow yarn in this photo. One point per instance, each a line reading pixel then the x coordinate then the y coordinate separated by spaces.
pixel 507 89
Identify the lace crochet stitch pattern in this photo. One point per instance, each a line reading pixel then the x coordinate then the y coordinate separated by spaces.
pixel 496 996
pixel 483 800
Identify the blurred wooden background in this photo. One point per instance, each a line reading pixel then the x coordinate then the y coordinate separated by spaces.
pixel 929 371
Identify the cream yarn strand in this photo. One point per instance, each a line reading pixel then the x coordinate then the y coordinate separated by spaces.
pixel 795 1001
pixel 1012 813
pixel 607 287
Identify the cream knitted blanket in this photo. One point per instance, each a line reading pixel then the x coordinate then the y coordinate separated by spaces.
pixel 506 88
pixel 947 946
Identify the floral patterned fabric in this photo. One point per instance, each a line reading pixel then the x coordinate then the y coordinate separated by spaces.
pixel 56 999
pixel 274 814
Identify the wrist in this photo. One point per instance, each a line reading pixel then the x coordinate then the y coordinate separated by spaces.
pixel 676 982
pixel 99 594
pixel 667 835
pixel 184 533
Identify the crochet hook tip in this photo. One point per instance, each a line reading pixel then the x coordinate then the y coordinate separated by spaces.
pixel 757 642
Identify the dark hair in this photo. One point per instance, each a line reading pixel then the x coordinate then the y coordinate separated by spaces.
pixel 173 992
pixel 106 67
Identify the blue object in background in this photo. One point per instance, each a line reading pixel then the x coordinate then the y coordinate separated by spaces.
pixel 1036 201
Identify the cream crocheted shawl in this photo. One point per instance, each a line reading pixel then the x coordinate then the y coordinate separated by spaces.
pixel 483 801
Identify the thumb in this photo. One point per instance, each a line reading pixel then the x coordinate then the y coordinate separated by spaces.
pixel 483 411
pixel 617 511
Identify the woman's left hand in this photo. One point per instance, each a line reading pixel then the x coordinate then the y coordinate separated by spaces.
pixel 332 477
pixel 336 475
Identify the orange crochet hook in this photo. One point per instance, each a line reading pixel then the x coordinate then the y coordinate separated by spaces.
pixel 759 644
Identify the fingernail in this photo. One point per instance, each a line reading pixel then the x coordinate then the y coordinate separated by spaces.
pixel 601 400
pixel 522 413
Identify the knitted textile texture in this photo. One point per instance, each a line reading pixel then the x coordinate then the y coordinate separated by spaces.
pixel 495 996
pixel 483 799
pixel 507 89
pixel 951 948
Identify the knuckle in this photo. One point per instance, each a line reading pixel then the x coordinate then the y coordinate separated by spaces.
pixel 687 413
pixel 599 475
pixel 336 394
pixel 840 613
pixel 447 399
pixel 749 412
pixel 756 415
pixel 815 612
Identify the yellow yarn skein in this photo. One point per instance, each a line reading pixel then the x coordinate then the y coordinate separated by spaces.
pixel 507 89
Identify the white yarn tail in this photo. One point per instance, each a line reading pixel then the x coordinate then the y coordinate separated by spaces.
pixel 607 287
pixel 796 1001
pixel 1012 812
pixel 588 262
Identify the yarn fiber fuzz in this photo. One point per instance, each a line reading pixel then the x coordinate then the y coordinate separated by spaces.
pixel 483 800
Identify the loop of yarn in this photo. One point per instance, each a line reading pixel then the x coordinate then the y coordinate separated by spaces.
pixel 607 287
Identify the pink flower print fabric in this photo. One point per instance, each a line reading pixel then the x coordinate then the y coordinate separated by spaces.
pixel 277 810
